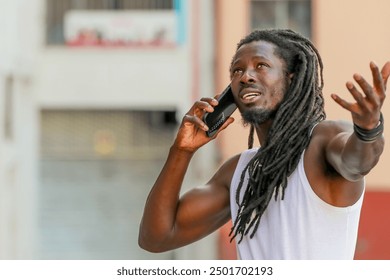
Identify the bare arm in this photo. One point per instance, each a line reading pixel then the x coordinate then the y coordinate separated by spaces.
pixel 171 221
pixel 349 155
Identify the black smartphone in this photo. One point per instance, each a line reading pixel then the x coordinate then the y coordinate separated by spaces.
pixel 225 108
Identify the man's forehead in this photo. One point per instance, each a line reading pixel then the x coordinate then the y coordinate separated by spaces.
pixel 256 48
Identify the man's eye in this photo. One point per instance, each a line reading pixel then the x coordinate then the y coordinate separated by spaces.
pixel 261 65
pixel 237 71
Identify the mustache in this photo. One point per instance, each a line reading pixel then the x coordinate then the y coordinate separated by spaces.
pixel 246 86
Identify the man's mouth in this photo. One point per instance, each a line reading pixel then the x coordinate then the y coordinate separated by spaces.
pixel 250 95
pixel 247 93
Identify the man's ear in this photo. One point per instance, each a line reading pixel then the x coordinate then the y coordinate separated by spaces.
pixel 289 78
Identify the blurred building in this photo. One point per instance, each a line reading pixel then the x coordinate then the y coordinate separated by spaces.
pixel 18 132
pixel 91 93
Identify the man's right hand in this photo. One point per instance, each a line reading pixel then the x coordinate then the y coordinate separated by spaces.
pixel 191 135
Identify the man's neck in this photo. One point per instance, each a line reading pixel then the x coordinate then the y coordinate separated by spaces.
pixel 262 131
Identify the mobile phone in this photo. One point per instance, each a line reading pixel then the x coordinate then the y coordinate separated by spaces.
pixel 225 108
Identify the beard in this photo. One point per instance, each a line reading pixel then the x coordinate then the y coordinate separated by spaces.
pixel 256 116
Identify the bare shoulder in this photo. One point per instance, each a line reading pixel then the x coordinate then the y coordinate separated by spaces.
pixel 321 137
pixel 325 132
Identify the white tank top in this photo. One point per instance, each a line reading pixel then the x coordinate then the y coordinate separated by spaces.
pixel 300 227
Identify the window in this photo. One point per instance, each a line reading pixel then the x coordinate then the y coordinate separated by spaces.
pixel 292 14
pixel 56 9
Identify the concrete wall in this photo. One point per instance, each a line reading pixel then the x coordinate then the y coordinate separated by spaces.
pixel 18 169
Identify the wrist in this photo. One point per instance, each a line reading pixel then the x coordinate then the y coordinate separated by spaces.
pixel 182 150
pixel 370 135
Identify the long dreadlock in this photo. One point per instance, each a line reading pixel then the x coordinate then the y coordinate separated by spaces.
pixel 289 135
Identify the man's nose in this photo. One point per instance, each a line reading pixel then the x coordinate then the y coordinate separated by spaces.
pixel 248 76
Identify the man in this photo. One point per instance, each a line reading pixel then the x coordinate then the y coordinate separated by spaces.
pixel 299 195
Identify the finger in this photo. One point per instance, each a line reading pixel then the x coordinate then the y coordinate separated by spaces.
pixel 200 107
pixel 343 103
pixel 385 73
pixel 212 101
pixel 356 94
pixel 206 104
pixel 194 120
pixel 202 104
pixel 378 80
pixel 365 86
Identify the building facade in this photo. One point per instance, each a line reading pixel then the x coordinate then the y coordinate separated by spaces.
pixel 91 93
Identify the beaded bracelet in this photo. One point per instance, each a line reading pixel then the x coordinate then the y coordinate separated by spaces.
pixel 368 135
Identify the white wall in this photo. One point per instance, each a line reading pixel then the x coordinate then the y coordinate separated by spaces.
pixel 18 168
pixel 101 78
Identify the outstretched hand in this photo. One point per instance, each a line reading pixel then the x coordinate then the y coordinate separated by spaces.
pixel 191 134
pixel 366 110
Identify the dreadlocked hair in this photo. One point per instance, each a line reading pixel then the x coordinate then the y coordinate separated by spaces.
pixel 289 135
